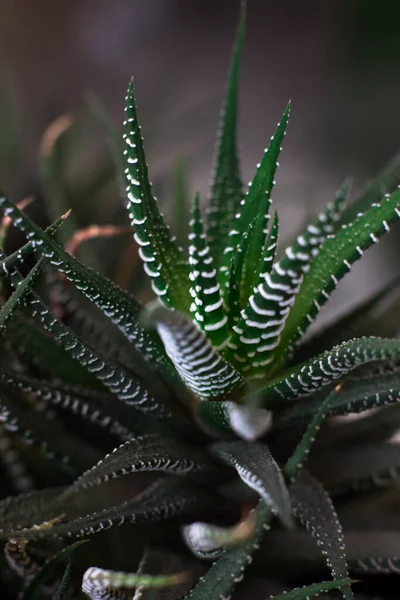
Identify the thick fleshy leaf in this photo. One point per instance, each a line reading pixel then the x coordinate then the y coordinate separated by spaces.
pixel 115 377
pixel 385 181
pixel 163 260
pixel 162 500
pixel 201 368
pixel 207 306
pixel 24 510
pixel 147 453
pixel 224 418
pixel 326 368
pixel 377 316
pixel 310 591
pixel 256 201
pixel 314 508
pixel 99 408
pixel 25 286
pixel 222 577
pixel 36 348
pixel 300 454
pixel 333 261
pixel 162 562
pixel 101 583
pixel 117 304
pixel 251 348
pixel 35 427
pixel 226 192
pixel 208 541
pixel 46 572
pixel 356 396
pixel 256 466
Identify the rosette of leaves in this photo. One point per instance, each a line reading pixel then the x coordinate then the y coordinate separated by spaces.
pixel 180 439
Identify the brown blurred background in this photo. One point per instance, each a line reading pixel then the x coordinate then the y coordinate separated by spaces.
pixel 338 60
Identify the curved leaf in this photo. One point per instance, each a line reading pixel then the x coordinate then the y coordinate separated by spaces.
pixel 310 591
pixel 228 570
pixel 258 469
pixel 314 508
pixel 163 260
pixel 252 347
pixel 326 368
pixel 201 368
pixel 148 453
pixel 207 306
pixel 333 261
pixel 226 192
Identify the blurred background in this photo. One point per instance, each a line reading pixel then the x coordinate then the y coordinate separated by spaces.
pixel 338 61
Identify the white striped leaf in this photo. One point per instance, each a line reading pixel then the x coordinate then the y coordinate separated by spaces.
pixel 147 453
pixel 333 261
pixel 99 408
pixel 226 193
pixel 22 290
pixel 200 367
pixel 310 591
pixel 356 396
pixel 220 419
pixel 228 570
pixel 164 499
pixel 208 541
pixel 313 507
pixel 207 306
pixel 163 261
pixel 99 584
pixel 256 466
pixel 251 348
pixel 257 200
pixel 327 367
pixel 118 305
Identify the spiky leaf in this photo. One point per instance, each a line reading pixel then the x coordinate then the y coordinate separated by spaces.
pixel 256 466
pixel 163 260
pixel 207 306
pixel 202 369
pixel 314 508
pixel 226 192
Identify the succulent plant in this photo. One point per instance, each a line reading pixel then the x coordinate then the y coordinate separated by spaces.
pixel 180 432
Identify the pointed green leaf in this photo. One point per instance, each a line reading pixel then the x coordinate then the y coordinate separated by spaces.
pixel 302 450
pixel 147 453
pixel 356 396
pixel 117 304
pixel 327 367
pixel 24 288
pixel 222 577
pixel 310 591
pixel 256 466
pixel 377 316
pixel 256 201
pixel 385 182
pixel 207 306
pixel 46 572
pixel 164 499
pixel 332 262
pixel 251 348
pixel 226 192
pixel 201 368
pixel 102 583
pixel 313 507
pixel 223 418
pixel 163 261
pixel 99 408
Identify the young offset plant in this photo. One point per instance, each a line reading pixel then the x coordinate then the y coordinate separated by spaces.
pixel 193 421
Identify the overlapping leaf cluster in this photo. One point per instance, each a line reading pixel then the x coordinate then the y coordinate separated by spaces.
pixel 191 421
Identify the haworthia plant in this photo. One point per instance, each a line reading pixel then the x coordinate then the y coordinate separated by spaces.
pixel 184 427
